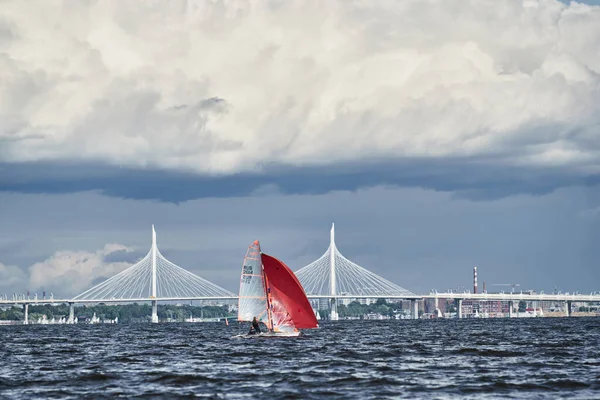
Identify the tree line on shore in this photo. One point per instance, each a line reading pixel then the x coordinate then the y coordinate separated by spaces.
pixel 142 312
pixel 125 312
pixel 358 310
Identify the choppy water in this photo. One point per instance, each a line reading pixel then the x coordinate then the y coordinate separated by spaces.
pixel 518 358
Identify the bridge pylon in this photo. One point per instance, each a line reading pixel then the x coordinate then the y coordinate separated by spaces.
pixel 333 276
pixel 154 250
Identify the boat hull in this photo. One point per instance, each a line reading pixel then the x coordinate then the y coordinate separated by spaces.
pixel 268 335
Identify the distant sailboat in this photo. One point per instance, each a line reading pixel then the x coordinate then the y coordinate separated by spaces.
pixel 270 291
pixel 95 319
pixel 192 319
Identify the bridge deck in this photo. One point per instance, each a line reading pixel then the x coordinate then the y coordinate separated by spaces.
pixel 463 296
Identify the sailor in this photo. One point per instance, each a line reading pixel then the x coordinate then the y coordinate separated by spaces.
pixel 255 328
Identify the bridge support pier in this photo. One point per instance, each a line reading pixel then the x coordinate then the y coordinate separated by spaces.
pixel 459 309
pixel 334 314
pixel 568 308
pixel 436 305
pixel 414 307
pixel 154 311
pixel 25 314
pixel 511 309
pixel 71 313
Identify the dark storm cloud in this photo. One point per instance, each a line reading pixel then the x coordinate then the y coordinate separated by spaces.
pixel 468 177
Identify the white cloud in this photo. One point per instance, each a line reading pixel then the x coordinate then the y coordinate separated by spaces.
pixel 589 213
pixel 301 82
pixel 72 272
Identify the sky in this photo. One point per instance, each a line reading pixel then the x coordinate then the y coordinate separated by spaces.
pixel 437 135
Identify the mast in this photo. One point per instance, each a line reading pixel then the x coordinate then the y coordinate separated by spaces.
pixel 266 286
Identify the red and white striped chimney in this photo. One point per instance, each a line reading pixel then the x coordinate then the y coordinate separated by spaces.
pixel 475 280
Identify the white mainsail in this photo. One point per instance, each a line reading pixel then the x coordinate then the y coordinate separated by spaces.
pixel 252 297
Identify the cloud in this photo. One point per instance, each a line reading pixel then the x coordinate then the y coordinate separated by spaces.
pixel 220 88
pixel 470 178
pixel 11 278
pixel 590 213
pixel 75 271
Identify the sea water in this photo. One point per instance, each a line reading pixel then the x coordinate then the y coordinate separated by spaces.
pixel 484 358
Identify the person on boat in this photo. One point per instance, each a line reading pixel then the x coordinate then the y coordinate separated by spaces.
pixel 255 327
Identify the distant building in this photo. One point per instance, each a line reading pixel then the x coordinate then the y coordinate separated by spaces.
pixel 367 301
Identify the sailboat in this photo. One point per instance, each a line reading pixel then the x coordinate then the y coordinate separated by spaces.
pixel 270 291
pixel 317 315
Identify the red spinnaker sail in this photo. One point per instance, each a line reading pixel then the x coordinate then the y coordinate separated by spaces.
pixel 287 294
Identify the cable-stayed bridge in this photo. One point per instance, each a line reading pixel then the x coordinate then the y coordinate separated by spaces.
pixel 331 277
pixel 154 278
